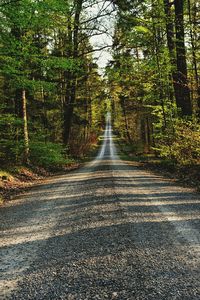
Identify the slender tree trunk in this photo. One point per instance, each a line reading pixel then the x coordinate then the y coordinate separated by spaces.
pixel 125 119
pixel 171 46
pixel 25 127
pixel 20 97
pixel 71 77
pixel 68 114
pixel 194 56
pixel 143 134
pixel 160 76
pixel 67 75
pixel 44 114
pixel 19 114
pixel 148 134
pixel 183 99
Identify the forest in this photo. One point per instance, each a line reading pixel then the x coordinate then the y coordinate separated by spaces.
pixel 54 97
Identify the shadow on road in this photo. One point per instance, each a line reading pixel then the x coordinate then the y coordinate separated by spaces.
pixel 107 231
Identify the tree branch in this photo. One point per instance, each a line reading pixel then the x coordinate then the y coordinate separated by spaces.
pixel 97 17
pixel 95 50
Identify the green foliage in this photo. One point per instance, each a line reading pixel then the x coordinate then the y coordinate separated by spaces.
pixel 53 63
pixel 40 73
pixel 48 155
pixel 142 81
pixel 10 130
pixel 182 146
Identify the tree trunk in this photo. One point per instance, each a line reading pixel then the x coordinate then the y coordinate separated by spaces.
pixel 68 114
pixel 155 51
pixel 177 55
pixel 71 77
pixel 25 127
pixel 183 97
pixel 192 20
pixel 171 47
pixel 122 101
pixel 148 134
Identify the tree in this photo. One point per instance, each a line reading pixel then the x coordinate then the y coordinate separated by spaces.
pixel 43 67
pixel 183 92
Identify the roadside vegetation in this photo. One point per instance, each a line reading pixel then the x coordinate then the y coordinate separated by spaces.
pixel 53 98
pixel 154 84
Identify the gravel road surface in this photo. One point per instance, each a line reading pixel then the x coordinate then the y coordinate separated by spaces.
pixel 109 230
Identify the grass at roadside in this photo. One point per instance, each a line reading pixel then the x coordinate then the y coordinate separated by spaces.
pixel 187 175
pixel 16 179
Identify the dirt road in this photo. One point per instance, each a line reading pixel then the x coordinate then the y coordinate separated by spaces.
pixel 107 231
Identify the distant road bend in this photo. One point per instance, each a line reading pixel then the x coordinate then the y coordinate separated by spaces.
pixel 109 230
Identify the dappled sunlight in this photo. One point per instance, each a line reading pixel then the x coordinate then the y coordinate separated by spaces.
pixel 70 213
pixel 102 214
pixel 158 202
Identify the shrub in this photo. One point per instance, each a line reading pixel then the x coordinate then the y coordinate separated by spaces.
pixel 48 155
pixel 183 145
pixel 80 146
pixel 11 146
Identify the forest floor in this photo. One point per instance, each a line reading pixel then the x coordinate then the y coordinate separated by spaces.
pixel 16 180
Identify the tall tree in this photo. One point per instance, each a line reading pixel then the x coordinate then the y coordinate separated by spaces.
pixel 183 95
pixel 71 77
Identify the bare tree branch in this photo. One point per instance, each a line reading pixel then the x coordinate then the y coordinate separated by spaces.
pixel 91 35
pixel 97 17
pixel 95 50
pixel 97 2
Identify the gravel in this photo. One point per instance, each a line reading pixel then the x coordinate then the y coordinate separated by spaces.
pixel 109 230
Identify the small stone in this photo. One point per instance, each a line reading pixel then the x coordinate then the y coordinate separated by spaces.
pixel 114 295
